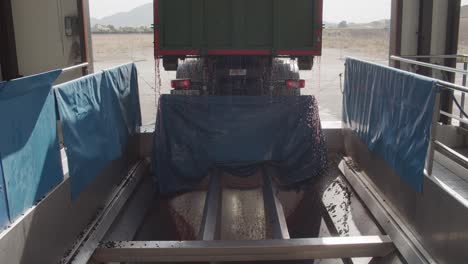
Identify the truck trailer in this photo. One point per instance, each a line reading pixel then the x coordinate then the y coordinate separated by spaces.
pixel 238 47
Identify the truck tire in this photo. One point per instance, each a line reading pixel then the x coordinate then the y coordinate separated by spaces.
pixel 281 72
pixel 193 70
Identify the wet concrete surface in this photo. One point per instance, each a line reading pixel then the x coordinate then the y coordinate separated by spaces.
pixel 243 218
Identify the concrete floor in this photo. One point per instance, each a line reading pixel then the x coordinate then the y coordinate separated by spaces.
pixel 242 213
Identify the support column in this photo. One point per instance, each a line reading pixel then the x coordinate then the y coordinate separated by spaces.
pixel 425 33
pixel 8 59
pixel 427 27
pixel 451 47
pixel 85 35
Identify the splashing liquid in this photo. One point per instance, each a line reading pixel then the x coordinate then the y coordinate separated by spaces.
pixel 319 74
pixel 158 83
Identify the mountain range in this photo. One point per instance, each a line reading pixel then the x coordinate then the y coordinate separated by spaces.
pixel 143 16
pixel 139 16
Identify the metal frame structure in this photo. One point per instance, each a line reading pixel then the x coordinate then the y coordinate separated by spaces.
pixel 412 218
pixel 434 144
pixel 460 58
pixel 274 209
pixel 266 250
pixel 210 225
pixel 423 27
pixel 91 237
pixel 405 241
pixel 8 58
pixel 208 247
pixel 83 66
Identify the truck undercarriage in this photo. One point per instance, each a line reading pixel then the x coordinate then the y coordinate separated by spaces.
pixel 239 76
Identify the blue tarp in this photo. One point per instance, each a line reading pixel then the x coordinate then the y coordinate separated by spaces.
pixel 124 81
pixel 99 112
pixel 194 134
pixel 29 149
pixel 391 111
pixel 4 218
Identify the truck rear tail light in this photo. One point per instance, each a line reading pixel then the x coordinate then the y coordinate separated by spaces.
pixel 181 84
pixel 295 83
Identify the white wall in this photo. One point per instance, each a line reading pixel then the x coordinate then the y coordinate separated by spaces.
pixel 40 35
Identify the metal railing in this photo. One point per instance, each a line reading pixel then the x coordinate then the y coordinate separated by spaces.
pixel 75 67
pixel 435 144
pixel 460 58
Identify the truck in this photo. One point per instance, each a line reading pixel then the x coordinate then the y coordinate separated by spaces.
pixel 241 47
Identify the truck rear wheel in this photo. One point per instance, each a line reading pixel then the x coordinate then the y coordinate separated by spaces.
pixel 193 70
pixel 283 71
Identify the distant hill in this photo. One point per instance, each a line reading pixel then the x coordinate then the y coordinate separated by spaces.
pixel 143 16
pixel 383 23
pixel 140 16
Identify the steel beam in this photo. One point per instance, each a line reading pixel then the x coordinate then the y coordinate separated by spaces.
pixel 74 67
pixel 128 223
pixel 425 32
pixel 274 209
pixel 261 250
pixel 85 247
pixel 396 30
pixel 429 65
pixel 451 38
pixel 210 225
pixel 82 14
pixel 407 244
pixel 452 86
pixel 8 55
pixel 429 166
pixel 462 120
pixel 452 154
pixel 332 228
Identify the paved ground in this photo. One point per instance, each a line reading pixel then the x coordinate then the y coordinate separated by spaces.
pixel 323 81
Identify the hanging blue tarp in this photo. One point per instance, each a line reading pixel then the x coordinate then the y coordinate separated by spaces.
pixel 124 81
pixel 194 134
pixel 4 218
pixel 29 147
pixel 98 113
pixel 391 111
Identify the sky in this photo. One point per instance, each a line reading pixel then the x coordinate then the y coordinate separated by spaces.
pixel 358 11
pixel 102 8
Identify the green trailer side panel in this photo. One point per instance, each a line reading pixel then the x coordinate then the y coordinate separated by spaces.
pixel 218 26
pixel 296 23
pixel 259 23
pixel 239 24
pixel 177 18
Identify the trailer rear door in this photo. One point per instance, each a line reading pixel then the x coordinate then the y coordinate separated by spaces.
pixel 238 27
